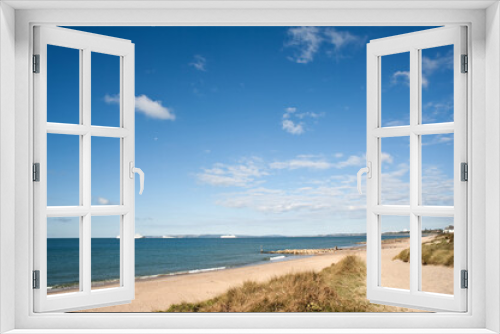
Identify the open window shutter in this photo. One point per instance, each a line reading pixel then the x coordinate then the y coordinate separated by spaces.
pixel 83 296
pixel 414 43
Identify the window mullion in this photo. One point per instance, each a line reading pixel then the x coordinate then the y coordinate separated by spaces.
pixel 85 179
pixel 414 170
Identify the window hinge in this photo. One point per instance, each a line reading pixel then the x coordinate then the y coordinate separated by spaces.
pixel 465 279
pixel 36 279
pixel 36 172
pixel 465 64
pixel 464 171
pixel 36 63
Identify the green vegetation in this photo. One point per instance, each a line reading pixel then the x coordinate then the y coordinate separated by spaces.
pixel 338 288
pixel 438 251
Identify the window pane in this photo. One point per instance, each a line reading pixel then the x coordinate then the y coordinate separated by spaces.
pixel 63 254
pixel 105 171
pixel 395 254
pixel 105 251
pixel 63 85
pixel 395 94
pixel 395 162
pixel 105 90
pixel 437 254
pixel 437 84
pixel 437 169
pixel 63 170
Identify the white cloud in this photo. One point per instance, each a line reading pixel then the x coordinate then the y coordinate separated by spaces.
pixel 396 123
pixel 438 139
pixel 290 127
pixel 103 201
pixel 434 111
pixel 199 62
pixel 244 174
pixel 309 114
pixel 307 40
pixel 425 81
pixel 353 160
pixel 325 201
pixel 437 188
pixel 401 77
pixel 300 163
pixel 404 78
pixel 336 197
pixel 153 109
pixel 431 65
pixel 319 163
pixel 290 122
pixel 386 157
pixel 339 39
pixel 339 155
pixel 395 186
pixel 145 105
pixel 112 99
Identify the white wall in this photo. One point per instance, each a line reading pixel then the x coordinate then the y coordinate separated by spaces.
pixel 492 164
pixel 488 283
pixel 7 159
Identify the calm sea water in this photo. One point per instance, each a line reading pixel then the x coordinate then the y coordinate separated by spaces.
pixel 171 256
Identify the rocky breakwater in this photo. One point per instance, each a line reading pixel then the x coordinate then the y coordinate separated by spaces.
pixel 320 251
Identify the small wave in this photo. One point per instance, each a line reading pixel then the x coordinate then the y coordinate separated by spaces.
pixel 205 270
pixel 277 258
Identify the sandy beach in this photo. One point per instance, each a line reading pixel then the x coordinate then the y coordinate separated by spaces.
pixel 159 293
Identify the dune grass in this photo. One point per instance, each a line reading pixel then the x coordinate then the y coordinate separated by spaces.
pixel 438 251
pixel 338 288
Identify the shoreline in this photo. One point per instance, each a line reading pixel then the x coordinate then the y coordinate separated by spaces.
pixel 146 278
pixel 159 293
pixel 295 254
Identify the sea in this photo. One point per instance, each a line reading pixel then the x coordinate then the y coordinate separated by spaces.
pixel 175 256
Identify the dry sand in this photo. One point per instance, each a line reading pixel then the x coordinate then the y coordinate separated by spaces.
pixel 158 294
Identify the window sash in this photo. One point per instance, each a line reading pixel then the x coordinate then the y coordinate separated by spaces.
pixel 413 43
pixel 86 297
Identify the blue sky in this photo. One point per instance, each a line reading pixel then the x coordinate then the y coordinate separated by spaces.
pixel 248 130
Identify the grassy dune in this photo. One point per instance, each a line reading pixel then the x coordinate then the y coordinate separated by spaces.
pixel 438 251
pixel 338 288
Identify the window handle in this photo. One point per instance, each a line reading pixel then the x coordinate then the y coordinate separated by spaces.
pixel 368 171
pixel 139 171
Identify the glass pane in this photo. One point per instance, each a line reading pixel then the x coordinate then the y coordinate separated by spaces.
pixel 395 168
pixel 105 251
pixel 437 84
pixel 63 170
pixel 395 94
pixel 63 254
pixel 437 169
pixel 395 252
pixel 63 85
pixel 105 90
pixel 437 254
pixel 105 171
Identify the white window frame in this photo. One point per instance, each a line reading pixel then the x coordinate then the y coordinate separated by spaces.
pixel 86 44
pixel 482 19
pixel 413 43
